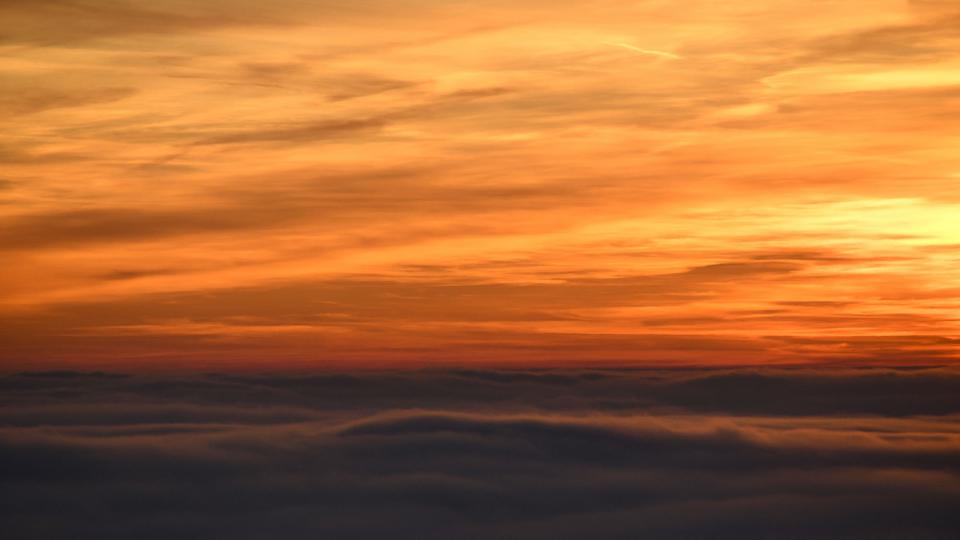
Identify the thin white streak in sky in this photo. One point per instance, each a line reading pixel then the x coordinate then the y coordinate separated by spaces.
pixel 651 52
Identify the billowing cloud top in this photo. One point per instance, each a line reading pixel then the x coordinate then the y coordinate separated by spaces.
pixel 235 183
pixel 479 454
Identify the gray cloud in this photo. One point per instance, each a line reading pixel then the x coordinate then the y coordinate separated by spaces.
pixel 308 132
pixel 761 391
pixel 55 22
pixel 59 22
pixel 20 96
pixel 343 456
pixel 923 40
pixel 79 227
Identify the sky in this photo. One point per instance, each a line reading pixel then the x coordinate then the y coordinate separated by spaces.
pixel 524 270
pixel 235 185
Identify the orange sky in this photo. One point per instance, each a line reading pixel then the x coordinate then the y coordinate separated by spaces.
pixel 419 182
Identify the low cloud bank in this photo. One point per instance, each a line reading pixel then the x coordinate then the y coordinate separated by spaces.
pixel 600 454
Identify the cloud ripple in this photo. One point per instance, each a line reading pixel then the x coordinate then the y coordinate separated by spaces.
pixel 101 456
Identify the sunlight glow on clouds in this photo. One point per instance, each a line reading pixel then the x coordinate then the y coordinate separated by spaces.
pixel 497 182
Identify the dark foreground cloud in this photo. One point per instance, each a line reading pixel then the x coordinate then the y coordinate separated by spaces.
pixel 570 454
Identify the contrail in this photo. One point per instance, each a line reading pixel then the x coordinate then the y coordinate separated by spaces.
pixel 651 52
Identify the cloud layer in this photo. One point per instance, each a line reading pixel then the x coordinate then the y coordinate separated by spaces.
pixel 482 454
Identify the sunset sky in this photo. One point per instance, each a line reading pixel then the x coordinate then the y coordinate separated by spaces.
pixel 234 184
pixel 479 270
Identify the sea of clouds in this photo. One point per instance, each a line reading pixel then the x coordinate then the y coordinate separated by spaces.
pixel 486 454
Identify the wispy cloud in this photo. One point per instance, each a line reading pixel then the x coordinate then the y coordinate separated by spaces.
pixel 651 52
pixel 419 182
